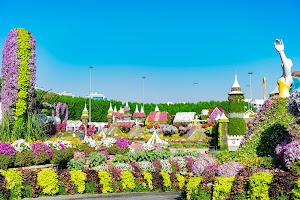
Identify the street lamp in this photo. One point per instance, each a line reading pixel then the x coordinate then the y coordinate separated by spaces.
pixel 250 85
pixel 143 78
pixel 90 100
pixel 195 83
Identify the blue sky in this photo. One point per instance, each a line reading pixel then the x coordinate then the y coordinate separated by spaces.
pixel 172 43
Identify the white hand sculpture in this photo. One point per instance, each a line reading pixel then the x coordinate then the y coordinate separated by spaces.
pixel 279 45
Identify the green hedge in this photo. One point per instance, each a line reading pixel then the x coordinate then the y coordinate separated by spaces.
pixel 100 107
pixel 236 126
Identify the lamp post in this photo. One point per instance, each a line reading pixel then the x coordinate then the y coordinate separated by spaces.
pixel 90 97
pixel 250 85
pixel 143 78
pixel 195 83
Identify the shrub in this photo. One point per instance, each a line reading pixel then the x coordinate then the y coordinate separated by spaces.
pixel 127 181
pixel 229 169
pixel 78 177
pixel 105 180
pixel 92 176
pixel 114 149
pixel 84 147
pixel 30 178
pixel 24 159
pixel 201 162
pixel 236 126
pixel 14 183
pixel 282 184
pixel 6 161
pixel 48 180
pixel 167 180
pixel 62 157
pixel 41 153
pixel 295 194
pixel 192 186
pixel 7 149
pixel 222 187
pixel 96 159
pixel 65 181
pixel 4 192
pixel 76 164
pixel 259 185
pixel 241 181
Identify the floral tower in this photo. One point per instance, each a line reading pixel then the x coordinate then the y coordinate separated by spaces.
pixel 85 116
pixel 18 73
pixel 109 114
pixel 127 115
pixel 236 125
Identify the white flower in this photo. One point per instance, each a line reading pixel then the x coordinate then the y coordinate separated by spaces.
pixel 101 167
pixel 146 166
pixel 166 166
pixel 107 142
pixel 124 166
pixel 21 145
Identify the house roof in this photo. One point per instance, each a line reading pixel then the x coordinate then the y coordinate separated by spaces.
pixel 184 117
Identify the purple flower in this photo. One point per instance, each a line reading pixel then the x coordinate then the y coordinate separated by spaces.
pixel 201 162
pixel 229 169
pixel 39 147
pixel 106 154
pixel 7 149
pixel 122 142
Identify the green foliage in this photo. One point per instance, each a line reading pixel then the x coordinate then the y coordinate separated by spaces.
pixel 78 177
pixel 62 157
pixel 84 147
pixel 236 126
pixel 23 159
pixel 114 150
pixel 296 191
pixel 14 182
pixel 105 180
pixel 225 156
pixel 270 129
pixel 237 106
pixel 222 136
pixel 6 127
pixel 96 159
pixel 222 187
pixel 48 180
pixel 27 191
pixel 90 187
pixel 5 161
pixel 201 195
pixel 24 52
pixel 259 185
pixel 192 186
pixel 77 164
pixel 127 181
pixel 143 156
pixel 183 153
pixel 100 107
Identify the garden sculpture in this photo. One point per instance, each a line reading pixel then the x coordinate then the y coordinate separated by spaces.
pixel 286 80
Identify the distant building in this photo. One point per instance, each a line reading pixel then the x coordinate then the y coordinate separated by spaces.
pixel 68 94
pixel 97 96
pixel 256 103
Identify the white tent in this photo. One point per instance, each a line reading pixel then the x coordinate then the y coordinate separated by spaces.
pixel 155 139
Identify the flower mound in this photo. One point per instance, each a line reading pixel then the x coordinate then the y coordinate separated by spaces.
pixel 39 147
pixel 7 149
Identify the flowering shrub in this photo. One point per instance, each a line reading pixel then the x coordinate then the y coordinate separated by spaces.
pixel 201 162
pixel 166 166
pixel 40 147
pixel 78 177
pixel 124 166
pixel 146 166
pixel 107 142
pixel 170 130
pixel 229 169
pixel 7 149
pixel 59 144
pixel 122 142
pixel 291 153
pixel 60 110
pixel 48 180
pixel 136 147
pixel 293 103
pixel 21 145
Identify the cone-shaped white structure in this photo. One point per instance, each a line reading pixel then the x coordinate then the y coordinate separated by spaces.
pixel 115 109
pixel 142 109
pixel 136 109
pixel 85 112
pixel 236 83
pixel 236 88
pixel 121 110
pixel 110 107
pixel 156 109
pixel 154 139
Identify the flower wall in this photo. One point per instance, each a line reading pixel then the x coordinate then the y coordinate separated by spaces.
pixel 18 73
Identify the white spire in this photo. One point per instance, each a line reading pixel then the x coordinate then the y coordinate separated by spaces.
pixel 236 83
pixel 127 104
pixel 115 109
pixel 156 109
pixel 142 109
pixel 110 107
pixel 136 109
pixel 121 110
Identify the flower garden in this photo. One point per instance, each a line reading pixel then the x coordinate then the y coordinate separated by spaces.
pixel 37 161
